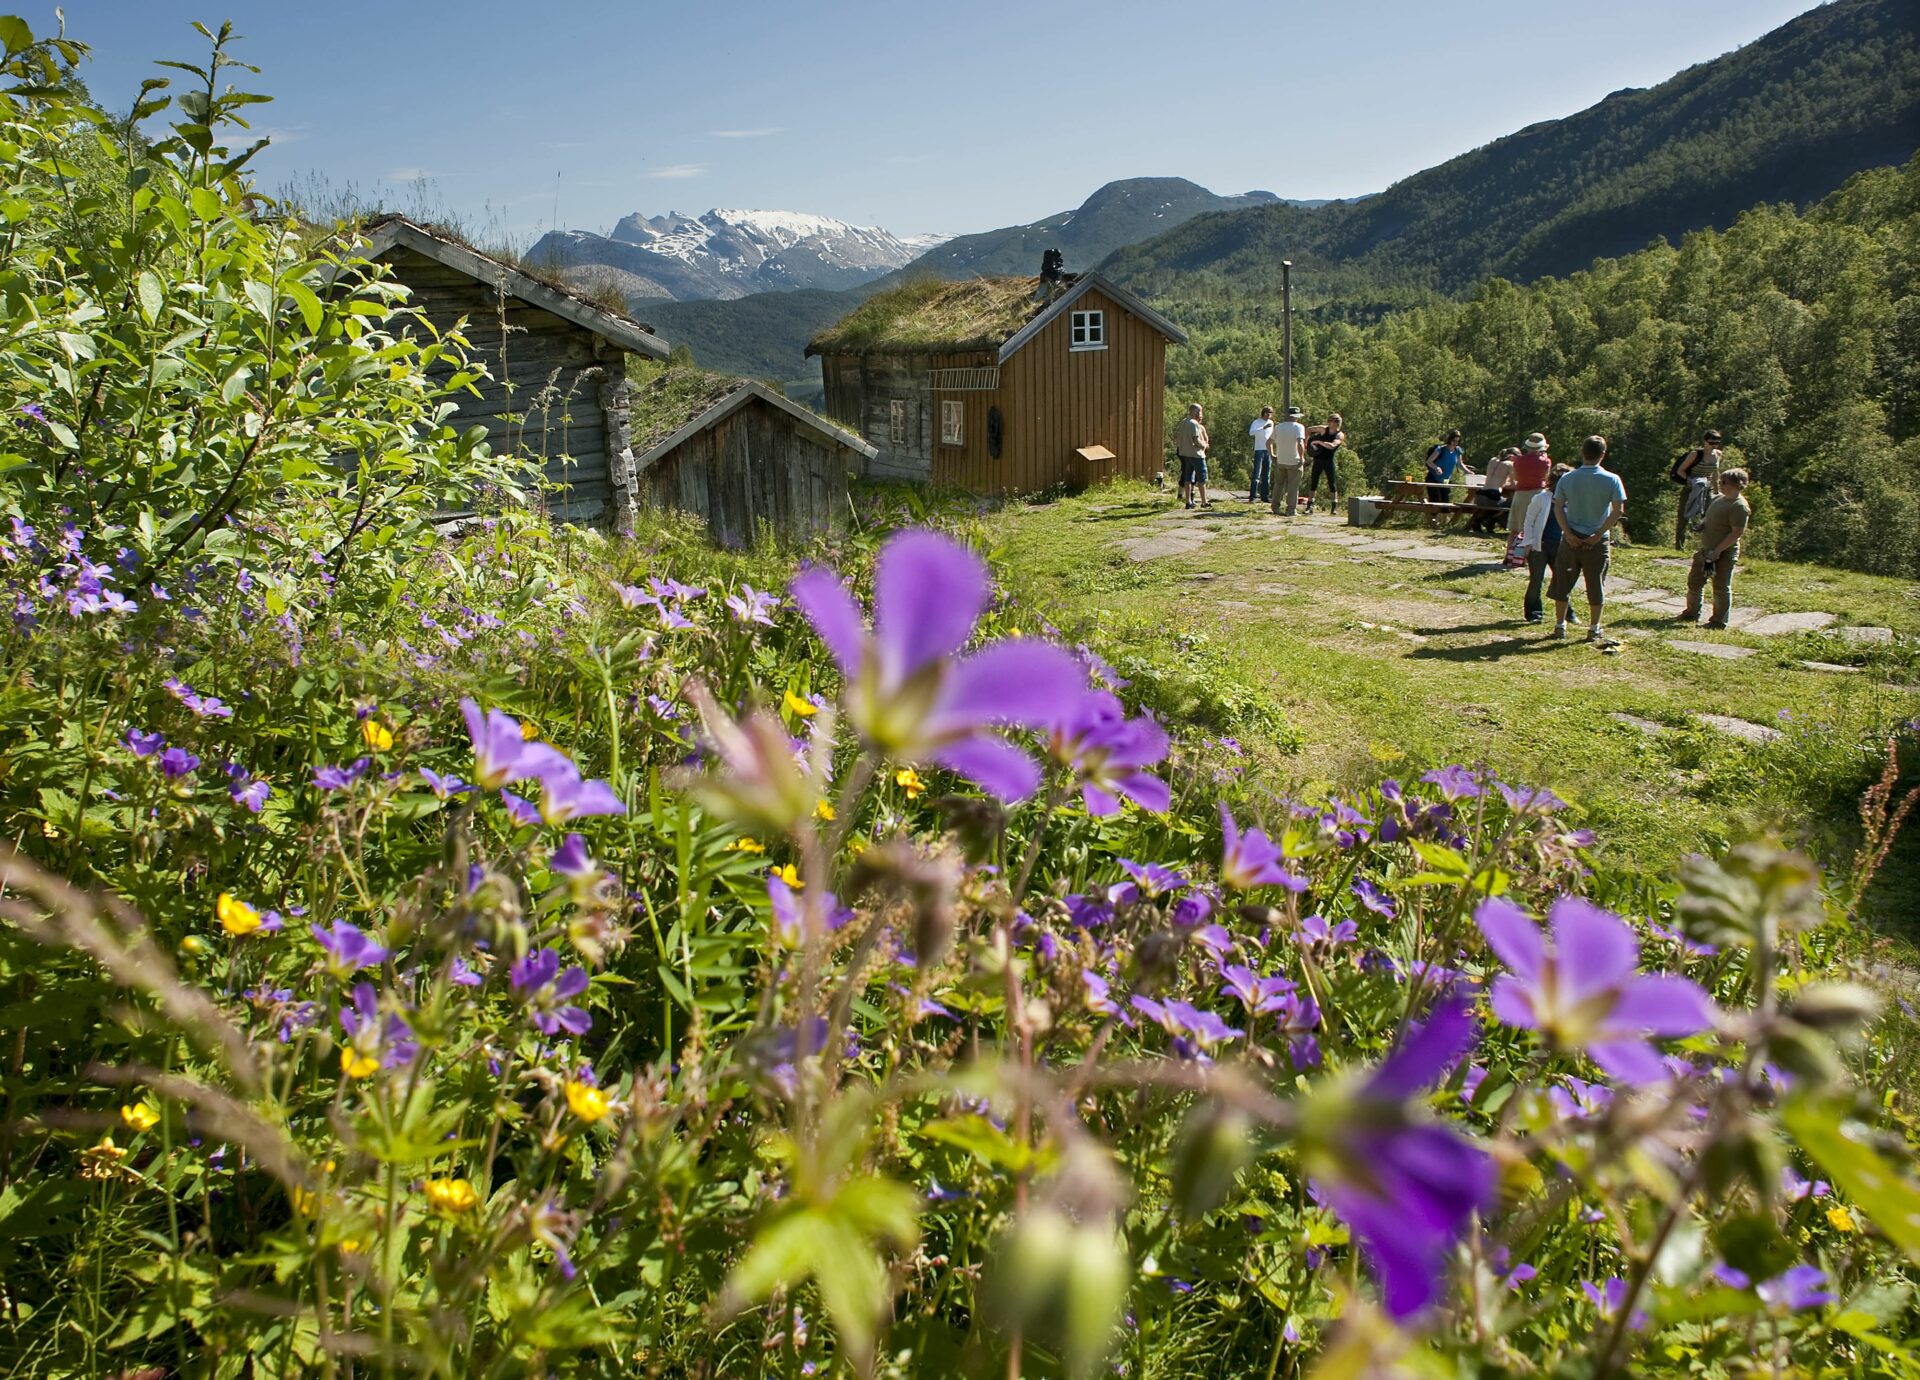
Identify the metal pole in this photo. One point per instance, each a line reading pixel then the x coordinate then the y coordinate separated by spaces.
pixel 1286 330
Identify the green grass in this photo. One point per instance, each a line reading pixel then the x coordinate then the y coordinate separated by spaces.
pixel 1328 665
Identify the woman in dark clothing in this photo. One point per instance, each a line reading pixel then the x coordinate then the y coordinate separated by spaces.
pixel 1442 461
pixel 1323 446
pixel 1540 539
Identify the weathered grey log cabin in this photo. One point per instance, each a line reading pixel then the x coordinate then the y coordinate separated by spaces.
pixel 1003 384
pixel 736 453
pixel 558 394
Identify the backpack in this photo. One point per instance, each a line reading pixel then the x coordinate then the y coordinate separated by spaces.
pixel 1673 470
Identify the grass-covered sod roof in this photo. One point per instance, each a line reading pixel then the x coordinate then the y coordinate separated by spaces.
pixel 929 315
pixel 671 399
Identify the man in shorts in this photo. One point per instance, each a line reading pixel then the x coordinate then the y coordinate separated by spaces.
pixel 1588 504
pixel 1190 442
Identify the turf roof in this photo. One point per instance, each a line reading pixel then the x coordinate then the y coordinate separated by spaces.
pixel 930 315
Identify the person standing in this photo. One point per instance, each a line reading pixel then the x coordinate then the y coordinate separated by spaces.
pixel 1261 484
pixel 1190 443
pixel 1694 472
pixel 1289 454
pixel 1588 504
pixel 1442 460
pixel 1323 447
pixel 1531 467
pixel 1539 542
pixel 1726 522
pixel 1494 492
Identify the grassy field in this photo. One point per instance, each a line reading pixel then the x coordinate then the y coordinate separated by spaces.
pixel 1327 655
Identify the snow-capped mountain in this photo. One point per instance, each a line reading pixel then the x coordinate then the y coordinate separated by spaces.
pixel 728 253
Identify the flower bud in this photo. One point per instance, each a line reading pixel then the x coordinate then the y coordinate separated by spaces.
pixel 1840 1008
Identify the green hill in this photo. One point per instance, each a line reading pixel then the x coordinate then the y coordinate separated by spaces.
pixel 1786 118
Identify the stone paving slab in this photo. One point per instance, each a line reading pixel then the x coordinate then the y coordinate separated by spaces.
pixel 1867 635
pixel 1646 726
pixel 1832 667
pixel 1723 650
pixel 1775 623
pixel 1739 728
pixel 1168 544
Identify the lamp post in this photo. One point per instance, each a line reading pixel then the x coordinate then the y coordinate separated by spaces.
pixel 1286 335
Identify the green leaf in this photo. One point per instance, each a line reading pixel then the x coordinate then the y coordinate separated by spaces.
pixel 1443 859
pixel 309 303
pixel 15 34
pixel 1892 1202
pixel 152 298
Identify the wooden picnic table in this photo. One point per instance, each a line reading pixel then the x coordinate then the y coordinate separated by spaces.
pixel 1410 496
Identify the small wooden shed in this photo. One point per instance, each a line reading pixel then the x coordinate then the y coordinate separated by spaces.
pixel 739 455
pixel 558 394
pixel 1003 384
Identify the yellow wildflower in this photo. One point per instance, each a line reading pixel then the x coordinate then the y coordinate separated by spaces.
pixel 745 845
pixel 806 709
pixel 139 1116
pixel 588 1102
pixel 379 737
pixel 101 1161
pixel 451 1195
pixel 908 780
pixel 236 916
pixel 527 731
pixel 822 810
pixel 1841 1219
pixel 355 1064
pixel 790 875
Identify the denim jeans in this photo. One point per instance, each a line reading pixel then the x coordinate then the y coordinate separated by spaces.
pixel 1259 485
pixel 1538 563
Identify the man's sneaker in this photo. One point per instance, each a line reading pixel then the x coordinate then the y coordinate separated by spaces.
pixel 1715 627
pixel 1595 635
pixel 1560 632
pixel 1693 617
pixel 1536 618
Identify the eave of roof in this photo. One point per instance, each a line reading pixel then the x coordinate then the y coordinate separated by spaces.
pixel 1084 284
pixel 732 402
pixel 613 327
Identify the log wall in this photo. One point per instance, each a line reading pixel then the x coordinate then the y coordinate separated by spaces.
pixel 756 467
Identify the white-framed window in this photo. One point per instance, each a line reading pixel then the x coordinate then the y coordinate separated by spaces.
pixel 1089 330
pixel 897 422
pixel 953 423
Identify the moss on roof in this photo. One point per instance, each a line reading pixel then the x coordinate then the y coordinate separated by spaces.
pixel 930 315
pixel 670 400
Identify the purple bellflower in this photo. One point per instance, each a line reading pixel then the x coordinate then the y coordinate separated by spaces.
pixel 1146 882
pixel 566 797
pixel 908 691
pixel 793 917
pixel 1194 1031
pixel 538 981
pixel 1455 782
pixel 1408 1187
pixel 178 762
pixel 1804 1286
pixel 391 1039
pixel 143 744
pixel 750 605
pixel 1586 993
pixel 201 706
pixel 348 948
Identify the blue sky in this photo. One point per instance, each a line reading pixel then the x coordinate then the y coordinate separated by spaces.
pixel 916 117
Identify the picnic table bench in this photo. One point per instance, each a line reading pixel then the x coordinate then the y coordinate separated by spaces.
pixel 1410 496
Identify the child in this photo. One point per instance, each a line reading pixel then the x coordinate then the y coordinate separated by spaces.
pixel 1720 533
pixel 1538 542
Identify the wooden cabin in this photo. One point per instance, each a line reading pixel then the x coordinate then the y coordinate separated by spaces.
pixel 736 453
pixel 1002 384
pixel 558 394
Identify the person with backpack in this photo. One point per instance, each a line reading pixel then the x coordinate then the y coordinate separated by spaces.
pixel 1694 472
pixel 1538 543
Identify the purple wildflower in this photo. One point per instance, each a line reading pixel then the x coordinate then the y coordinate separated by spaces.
pixel 329 778
pixel 1109 754
pixel 1314 930
pixel 177 762
pixel 1407 1187
pixel 909 693
pixel 1804 1286
pixel 1454 782
pixel 202 706
pixel 348 947
pixel 250 792
pixel 1586 993
pixel 1259 995
pixel 566 797
pixel 1373 898
pixel 1531 800
pixel 521 812
pixel 1609 1296
pixel 793 917
pixel 1194 1031
pixel 1252 859
pixel 144 744
pixel 1796 1187
pixel 538 981
pixel 463 975
pixel 1149 881
pixel 392 1039
pixel 442 786
pixel 750 605
pixel 502 754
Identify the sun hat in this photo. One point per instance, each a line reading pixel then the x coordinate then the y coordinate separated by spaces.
pixel 1536 443
pixel 1295 412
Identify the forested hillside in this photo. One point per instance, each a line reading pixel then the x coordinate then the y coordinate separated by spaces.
pixel 1796 334
pixel 1786 118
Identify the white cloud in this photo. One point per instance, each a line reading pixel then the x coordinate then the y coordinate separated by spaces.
pixel 679 170
pixel 747 133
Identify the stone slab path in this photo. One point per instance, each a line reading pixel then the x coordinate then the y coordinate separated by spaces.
pixel 1739 728
pixel 1725 651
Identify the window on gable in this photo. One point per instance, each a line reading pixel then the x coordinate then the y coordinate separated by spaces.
pixel 898 421
pixel 1089 330
pixel 953 423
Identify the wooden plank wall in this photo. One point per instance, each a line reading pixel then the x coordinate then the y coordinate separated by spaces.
pixel 756 466
pixel 1052 401
pixel 545 373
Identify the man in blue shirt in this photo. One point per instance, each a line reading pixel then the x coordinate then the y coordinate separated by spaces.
pixel 1588 504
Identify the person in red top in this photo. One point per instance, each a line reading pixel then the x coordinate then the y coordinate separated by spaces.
pixel 1531 467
